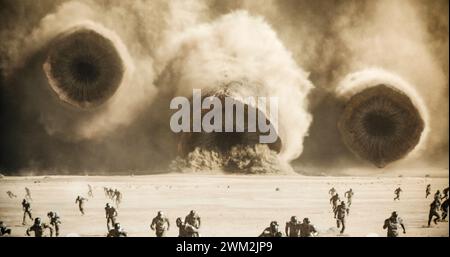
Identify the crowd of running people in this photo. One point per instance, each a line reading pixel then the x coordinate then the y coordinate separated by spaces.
pixel 190 226
pixel 114 195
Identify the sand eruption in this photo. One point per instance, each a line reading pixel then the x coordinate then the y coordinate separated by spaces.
pixel 83 67
pixel 230 151
pixel 384 118
pixel 240 56
pixel 245 159
pixel 239 125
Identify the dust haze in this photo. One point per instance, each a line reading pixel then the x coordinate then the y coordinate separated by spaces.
pixel 300 51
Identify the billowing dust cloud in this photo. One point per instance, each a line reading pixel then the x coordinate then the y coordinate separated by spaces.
pixel 240 56
pixel 72 105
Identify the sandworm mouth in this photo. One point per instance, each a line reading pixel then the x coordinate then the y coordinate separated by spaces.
pixel 83 67
pixel 380 124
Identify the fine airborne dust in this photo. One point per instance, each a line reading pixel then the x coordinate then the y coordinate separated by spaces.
pixel 86 85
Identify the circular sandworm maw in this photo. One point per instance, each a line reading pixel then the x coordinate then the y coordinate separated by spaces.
pixel 381 125
pixel 83 68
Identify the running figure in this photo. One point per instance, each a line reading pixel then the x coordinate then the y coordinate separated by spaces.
pixel 186 230
pixel 110 193
pixel 428 191
pixel 437 195
pixel 349 194
pixel 339 215
pixel 38 228
pixel 445 191
pixel 11 194
pixel 332 191
pixel 28 194
pixel 444 208
pixel 194 220
pixel 334 201
pixel 90 193
pixel 54 221
pixel 161 224
pixel 272 230
pixel 111 215
pixel 180 225
pixel 81 200
pixel 392 225
pixel 292 228
pixel 397 193
pixel 118 197
pixel 434 212
pixel 117 231
pixel 26 206
pixel 4 229
pixel 307 229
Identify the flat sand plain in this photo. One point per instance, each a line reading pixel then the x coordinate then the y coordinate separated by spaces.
pixel 229 205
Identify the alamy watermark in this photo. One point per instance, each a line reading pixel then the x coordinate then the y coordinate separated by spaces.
pixel 234 112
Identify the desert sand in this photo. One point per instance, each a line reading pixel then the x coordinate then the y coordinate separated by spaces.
pixel 229 205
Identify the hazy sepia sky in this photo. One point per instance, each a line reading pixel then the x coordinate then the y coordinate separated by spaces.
pixel 321 42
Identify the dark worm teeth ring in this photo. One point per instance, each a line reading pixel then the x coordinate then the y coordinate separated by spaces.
pixel 381 125
pixel 83 68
